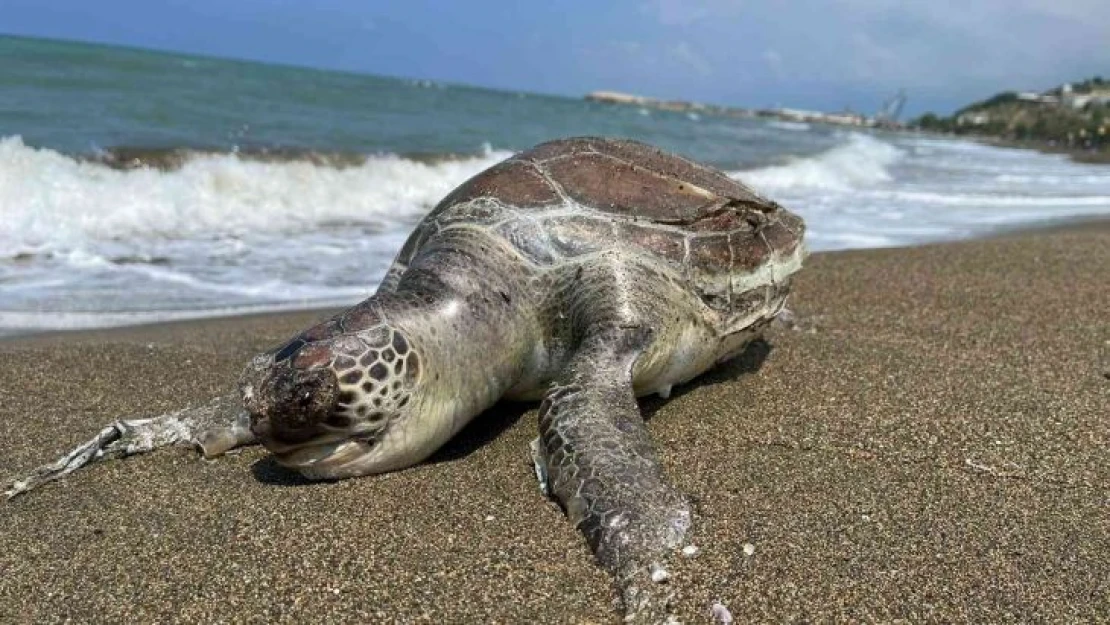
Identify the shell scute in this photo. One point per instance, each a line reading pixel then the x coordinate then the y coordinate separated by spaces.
pixel 669 244
pixel 513 182
pixel 561 148
pixel 722 221
pixel 612 185
pixel 635 178
pixel 783 234
pixel 709 262
pixel 678 168
pixel 710 252
pixel 749 250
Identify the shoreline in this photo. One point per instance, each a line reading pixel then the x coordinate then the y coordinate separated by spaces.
pixel 931 447
pixel 1045 226
pixel 1077 155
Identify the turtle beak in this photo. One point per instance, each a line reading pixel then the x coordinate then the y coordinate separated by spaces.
pixel 315 459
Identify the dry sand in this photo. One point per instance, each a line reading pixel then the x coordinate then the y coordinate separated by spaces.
pixel 934 449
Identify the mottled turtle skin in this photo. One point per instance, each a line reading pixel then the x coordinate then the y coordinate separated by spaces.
pixel 584 272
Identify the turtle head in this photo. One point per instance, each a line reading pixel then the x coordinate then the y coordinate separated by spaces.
pixel 329 402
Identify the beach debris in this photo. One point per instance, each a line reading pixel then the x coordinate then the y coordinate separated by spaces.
pixel 749 549
pixel 787 319
pixel 720 613
pixel 128 437
pixel 690 551
pixel 659 574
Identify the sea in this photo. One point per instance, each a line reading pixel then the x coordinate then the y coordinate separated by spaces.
pixel 139 186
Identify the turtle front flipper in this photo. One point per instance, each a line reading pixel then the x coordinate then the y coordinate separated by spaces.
pixel 214 427
pixel 597 457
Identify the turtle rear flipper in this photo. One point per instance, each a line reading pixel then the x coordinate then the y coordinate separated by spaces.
pixel 600 465
pixel 214 427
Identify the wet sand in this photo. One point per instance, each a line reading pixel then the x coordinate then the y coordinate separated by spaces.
pixel 930 446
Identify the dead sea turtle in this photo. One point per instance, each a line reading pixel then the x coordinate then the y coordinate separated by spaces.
pixel 584 272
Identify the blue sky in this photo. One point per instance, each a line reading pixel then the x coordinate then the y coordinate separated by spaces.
pixel 823 54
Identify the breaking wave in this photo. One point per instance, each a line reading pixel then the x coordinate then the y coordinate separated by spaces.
pixel 871 192
pixel 859 162
pixel 55 202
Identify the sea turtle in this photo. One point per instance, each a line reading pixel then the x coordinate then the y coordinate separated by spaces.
pixel 584 272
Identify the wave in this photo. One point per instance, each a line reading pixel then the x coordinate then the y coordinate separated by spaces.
pixel 789 126
pixel 257 288
pixel 51 201
pixel 126 157
pixel 862 161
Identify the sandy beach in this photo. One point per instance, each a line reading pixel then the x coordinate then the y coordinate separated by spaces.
pixel 930 446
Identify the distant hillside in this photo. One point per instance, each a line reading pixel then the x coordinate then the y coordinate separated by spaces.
pixel 1073 116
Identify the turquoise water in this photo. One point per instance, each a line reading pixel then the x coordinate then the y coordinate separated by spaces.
pixel 80 98
pixel 138 185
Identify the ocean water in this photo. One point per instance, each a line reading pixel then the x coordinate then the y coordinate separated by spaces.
pixel 137 186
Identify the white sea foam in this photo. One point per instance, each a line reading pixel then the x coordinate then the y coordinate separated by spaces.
pixel 51 202
pixel 861 160
pixel 790 126
pixel 82 244
pixel 891 190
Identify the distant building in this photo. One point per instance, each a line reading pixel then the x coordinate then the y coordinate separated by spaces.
pixel 616 97
pixel 1039 98
pixel 846 118
pixel 1073 100
pixel 974 118
pixel 1081 100
pixel 798 115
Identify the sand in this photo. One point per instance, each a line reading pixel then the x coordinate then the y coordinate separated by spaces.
pixel 933 446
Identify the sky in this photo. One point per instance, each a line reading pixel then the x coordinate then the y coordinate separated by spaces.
pixel 815 54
